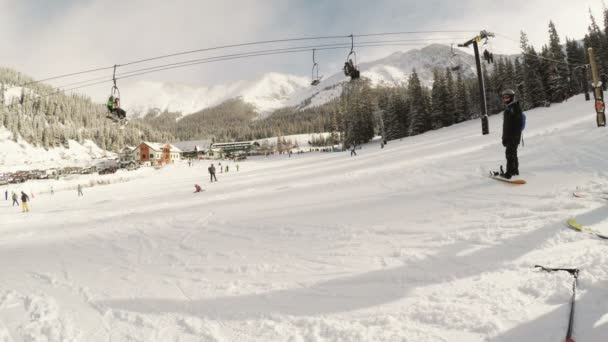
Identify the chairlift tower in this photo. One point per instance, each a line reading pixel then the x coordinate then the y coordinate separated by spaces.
pixel 485 129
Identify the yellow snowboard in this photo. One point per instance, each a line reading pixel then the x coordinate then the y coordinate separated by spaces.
pixel 577 226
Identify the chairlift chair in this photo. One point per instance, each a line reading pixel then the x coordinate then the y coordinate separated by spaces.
pixel 454 56
pixel 315 71
pixel 350 67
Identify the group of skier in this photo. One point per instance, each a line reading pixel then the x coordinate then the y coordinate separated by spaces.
pixel 24 200
pixel 212 173
pixel 212 170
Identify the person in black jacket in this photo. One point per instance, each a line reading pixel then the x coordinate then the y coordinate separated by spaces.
pixel 211 170
pixel 511 132
pixel 24 199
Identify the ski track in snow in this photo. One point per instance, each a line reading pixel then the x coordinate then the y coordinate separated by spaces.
pixel 412 242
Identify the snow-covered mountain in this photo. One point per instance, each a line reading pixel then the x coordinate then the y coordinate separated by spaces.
pixel 275 90
pixel 267 93
pixel 392 70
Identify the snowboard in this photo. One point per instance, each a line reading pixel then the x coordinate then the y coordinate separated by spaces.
pixel 496 175
pixel 512 181
pixel 579 227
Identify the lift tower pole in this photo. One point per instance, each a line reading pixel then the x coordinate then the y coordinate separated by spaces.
pixel 485 129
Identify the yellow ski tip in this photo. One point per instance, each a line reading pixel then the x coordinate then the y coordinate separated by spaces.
pixel 572 223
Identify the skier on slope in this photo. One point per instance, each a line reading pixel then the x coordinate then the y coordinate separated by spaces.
pixel 211 170
pixel 15 199
pixel 24 199
pixel 511 132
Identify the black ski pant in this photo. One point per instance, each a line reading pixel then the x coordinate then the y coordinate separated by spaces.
pixel 213 177
pixel 15 202
pixel 121 113
pixel 512 162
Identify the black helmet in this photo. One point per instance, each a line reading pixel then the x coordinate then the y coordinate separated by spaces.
pixel 509 92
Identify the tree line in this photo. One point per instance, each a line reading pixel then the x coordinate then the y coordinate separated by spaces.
pixel 52 121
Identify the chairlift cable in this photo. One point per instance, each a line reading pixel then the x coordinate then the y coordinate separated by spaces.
pixel 133 73
pixel 231 46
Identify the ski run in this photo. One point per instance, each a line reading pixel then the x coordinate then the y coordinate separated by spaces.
pixel 412 242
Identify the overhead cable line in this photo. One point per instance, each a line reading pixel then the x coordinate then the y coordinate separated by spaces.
pixel 133 73
pixel 232 46
pixel 539 56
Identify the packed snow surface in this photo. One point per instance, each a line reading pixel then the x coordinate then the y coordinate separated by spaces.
pixel 412 242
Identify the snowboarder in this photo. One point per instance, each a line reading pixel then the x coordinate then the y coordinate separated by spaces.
pixel 352 151
pixel 52 190
pixel 15 199
pixel 197 188
pixel 237 167
pixel 220 166
pixel 80 190
pixel 227 169
pixel 212 173
pixel 6 195
pixel 511 132
pixel 24 199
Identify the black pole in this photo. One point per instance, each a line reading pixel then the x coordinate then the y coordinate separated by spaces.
pixel 571 320
pixel 585 83
pixel 485 129
pixel 574 273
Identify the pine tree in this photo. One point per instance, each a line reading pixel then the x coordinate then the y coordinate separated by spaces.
pixel 533 89
pixel 575 56
pixel 358 114
pixel 420 120
pixel 393 127
pixel 518 83
pixel 558 70
pixel 460 100
pixel 439 100
pixel 450 117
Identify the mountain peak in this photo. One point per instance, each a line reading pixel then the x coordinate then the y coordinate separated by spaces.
pixel 274 90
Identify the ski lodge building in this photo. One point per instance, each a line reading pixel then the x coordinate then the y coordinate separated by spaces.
pixel 195 149
pixel 231 149
pixel 156 154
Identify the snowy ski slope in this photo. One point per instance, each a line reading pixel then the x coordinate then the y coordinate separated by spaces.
pixel 412 242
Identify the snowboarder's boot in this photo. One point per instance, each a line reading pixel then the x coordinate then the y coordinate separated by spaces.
pixel 503 174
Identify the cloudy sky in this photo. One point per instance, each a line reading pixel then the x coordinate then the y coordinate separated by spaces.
pixel 44 38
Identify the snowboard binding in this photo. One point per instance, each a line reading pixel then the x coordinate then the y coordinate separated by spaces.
pixel 500 173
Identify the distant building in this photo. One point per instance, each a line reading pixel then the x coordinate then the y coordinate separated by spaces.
pixel 231 149
pixel 157 154
pixel 127 154
pixel 195 149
